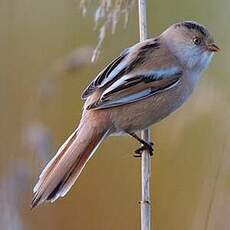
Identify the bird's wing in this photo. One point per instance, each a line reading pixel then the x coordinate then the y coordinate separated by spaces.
pixel 106 75
pixel 125 63
pixel 132 88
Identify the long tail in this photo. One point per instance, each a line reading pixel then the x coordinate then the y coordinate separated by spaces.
pixel 63 170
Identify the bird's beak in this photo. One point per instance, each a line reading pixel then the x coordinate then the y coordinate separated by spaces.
pixel 212 47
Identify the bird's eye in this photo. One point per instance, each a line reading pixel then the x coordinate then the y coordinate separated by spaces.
pixel 196 41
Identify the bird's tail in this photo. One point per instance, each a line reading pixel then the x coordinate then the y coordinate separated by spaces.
pixel 63 170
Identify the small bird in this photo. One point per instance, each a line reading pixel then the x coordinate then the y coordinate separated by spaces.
pixel 143 85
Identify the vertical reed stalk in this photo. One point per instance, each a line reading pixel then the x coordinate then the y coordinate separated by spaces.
pixel 145 203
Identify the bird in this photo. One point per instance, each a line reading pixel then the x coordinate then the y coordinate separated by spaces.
pixel 144 84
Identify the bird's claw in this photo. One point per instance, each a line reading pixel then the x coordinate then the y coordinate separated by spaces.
pixel 147 146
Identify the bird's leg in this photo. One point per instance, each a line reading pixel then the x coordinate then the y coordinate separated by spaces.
pixel 145 146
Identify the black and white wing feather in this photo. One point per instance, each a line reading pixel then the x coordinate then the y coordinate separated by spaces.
pixel 130 89
pixel 139 72
pixel 106 75
pixel 125 63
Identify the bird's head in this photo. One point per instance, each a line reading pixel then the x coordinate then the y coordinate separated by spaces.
pixel 191 43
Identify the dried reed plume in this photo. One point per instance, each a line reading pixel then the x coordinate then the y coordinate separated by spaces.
pixel 106 17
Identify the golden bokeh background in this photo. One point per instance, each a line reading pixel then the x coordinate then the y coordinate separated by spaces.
pixel 45 48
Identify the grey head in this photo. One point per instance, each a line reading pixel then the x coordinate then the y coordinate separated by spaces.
pixel 191 43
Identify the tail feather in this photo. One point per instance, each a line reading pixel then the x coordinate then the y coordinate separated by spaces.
pixel 63 170
pixel 54 161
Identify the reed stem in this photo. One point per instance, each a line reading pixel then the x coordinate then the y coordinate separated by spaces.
pixel 145 203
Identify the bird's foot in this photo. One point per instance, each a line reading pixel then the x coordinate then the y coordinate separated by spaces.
pixel 147 146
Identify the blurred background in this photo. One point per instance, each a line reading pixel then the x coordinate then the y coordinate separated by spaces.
pixel 46 47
